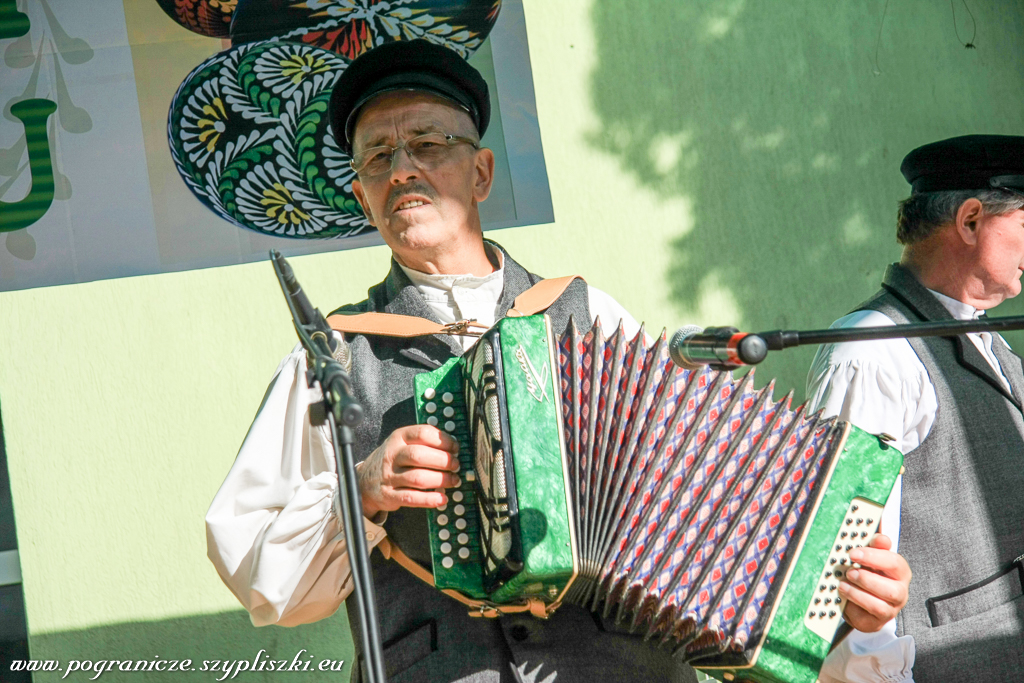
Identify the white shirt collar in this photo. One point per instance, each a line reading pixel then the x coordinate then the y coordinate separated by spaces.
pixel 957 309
pixel 444 282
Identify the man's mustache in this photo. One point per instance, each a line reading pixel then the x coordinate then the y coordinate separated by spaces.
pixel 419 188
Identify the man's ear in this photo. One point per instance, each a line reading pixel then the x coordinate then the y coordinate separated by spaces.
pixel 357 190
pixel 967 217
pixel 484 174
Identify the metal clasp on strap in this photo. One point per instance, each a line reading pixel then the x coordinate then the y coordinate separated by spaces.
pixel 535 607
pixel 463 328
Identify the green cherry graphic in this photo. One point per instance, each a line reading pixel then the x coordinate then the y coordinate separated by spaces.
pixel 13 24
pixel 33 114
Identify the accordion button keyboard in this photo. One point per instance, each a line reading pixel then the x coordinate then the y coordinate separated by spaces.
pixel 442 404
pixel 442 507
pixel 855 532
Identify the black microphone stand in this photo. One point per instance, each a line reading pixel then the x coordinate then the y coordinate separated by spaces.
pixel 343 414
pixel 776 340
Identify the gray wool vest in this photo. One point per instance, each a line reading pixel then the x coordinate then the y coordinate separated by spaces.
pixel 962 512
pixel 427 635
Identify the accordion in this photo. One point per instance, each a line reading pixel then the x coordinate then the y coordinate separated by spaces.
pixel 684 504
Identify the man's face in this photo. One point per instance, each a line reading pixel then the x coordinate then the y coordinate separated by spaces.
pixel 999 258
pixel 417 211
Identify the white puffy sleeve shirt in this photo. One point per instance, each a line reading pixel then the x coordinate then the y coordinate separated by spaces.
pixel 273 529
pixel 882 387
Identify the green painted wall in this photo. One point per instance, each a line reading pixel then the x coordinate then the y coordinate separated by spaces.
pixel 720 162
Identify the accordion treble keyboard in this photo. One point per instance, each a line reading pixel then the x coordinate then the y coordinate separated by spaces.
pixel 454 528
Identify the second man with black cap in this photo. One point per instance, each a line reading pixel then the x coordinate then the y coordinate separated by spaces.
pixel 953 407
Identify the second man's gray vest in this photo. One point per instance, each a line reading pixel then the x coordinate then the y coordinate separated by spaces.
pixel 962 512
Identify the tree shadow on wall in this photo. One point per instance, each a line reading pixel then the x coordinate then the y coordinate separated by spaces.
pixel 204 638
pixel 769 118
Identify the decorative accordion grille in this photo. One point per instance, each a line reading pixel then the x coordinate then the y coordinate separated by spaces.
pixel 490 460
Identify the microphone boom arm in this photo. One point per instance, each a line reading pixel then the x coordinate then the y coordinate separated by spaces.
pixel 776 340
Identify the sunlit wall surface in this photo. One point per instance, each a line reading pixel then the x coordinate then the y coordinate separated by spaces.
pixel 714 163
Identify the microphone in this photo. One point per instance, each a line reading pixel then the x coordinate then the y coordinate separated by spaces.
pixel 306 315
pixel 723 348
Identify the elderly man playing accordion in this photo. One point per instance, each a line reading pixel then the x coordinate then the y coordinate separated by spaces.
pixel 411 116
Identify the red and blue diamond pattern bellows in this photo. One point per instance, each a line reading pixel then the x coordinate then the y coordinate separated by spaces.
pixel 690 489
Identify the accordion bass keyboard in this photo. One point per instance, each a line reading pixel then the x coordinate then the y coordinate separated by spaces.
pixel 686 506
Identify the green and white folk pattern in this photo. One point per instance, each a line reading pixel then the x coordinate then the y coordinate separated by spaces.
pixel 250 136
pixel 460 26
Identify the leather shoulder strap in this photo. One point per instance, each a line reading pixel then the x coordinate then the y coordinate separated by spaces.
pixel 478 608
pixel 540 297
pixel 534 300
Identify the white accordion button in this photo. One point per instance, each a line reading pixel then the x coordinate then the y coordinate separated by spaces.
pixel 470 475
pixel 447 563
pixel 430 407
pixel 457 496
pixel 459 510
pixel 460 524
pixel 464 553
pixel 432 421
pixel 463 538
pixel 442 508
pixel 449 426
pixel 444 534
pixel 449 411
pixel 429 394
pixel 442 519
pixel 446 548
pixel 448 397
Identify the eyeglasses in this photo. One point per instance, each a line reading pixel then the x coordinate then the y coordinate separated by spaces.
pixel 426 152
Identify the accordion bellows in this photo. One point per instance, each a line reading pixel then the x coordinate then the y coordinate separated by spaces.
pixel 676 502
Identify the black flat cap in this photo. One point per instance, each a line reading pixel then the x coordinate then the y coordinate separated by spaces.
pixel 406 65
pixel 969 162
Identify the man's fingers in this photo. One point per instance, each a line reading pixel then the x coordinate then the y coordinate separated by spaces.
pixel 882 561
pixel 858 618
pixel 424 479
pixel 880 541
pixel 395 498
pixel 872 607
pixel 889 591
pixel 417 456
pixel 426 435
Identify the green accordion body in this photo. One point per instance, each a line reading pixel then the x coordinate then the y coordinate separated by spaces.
pixel 685 506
